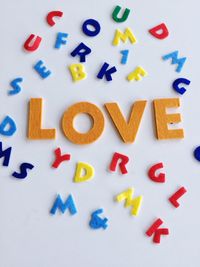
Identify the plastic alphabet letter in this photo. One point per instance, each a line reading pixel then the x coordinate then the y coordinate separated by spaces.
pixel 160 178
pixel 83 138
pixel 42 70
pixel 197 153
pixel 35 131
pixel 127 130
pixel 15 85
pixel 96 222
pixel 35 43
pixel 129 201
pixel 154 229
pixel 60 40
pixel 163 119
pixel 175 60
pixel 83 168
pixel 116 13
pixel 120 36
pixel 136 74
pixel 104 71
pixel 8 126
pixel 5 154
pixel 60 158
pixel 23 171
pixel 122 160
pixel 175 197
pixel 124 56
pixel 177 82
pixel 82 51
pixel 77 72
pixel 59 204
pixel 51 15
pixel 95 24
pixel 160 31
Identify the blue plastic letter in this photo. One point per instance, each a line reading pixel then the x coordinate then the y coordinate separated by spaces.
pixel 175 60
pixel 95 24
pixel 8 121
pixel 15 85
pixel 104 71
pixel 23 170
pixel 60 40
pixel 177 82
pixel 59 204
pixel 5 154
pixel 82 51
pixel 42 70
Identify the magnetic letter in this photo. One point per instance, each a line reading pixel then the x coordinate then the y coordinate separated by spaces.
pixel 129 201
pixel 83 138
pixel 60 158
pixel 175 197
pixel 122 160
pixel 136 74
pixel 175 60
pixel 23 170
pixel 82 51
pixel 35 130
pixel 160 178
pixel 95 24
pixel 104 71
pixel 154 229
pixel 5 154
pixel 97 222
pixel 51 15
pixel 15 85
pixel 124 56
pixel 177 82
pixel 160 31
pixel 84 172
pixel 60 205
pixel 163 119
pixel 41 69
pixel 77 72
pixel 35 43
pixel 116 13
pixel 60 40
pixel 127 130
pixel 8 126
pixel 120 36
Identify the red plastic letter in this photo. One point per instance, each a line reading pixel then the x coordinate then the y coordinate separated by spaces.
pixel 173 199
pixel 124 160
pixel 51 15
pixel 154 229
pixel 160 31
pixel 59 158
pixel 35 43
pixel 152 173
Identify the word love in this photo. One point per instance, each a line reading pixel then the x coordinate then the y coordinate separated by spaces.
pixel 127 129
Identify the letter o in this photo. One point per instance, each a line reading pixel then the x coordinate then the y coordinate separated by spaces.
pixel 83 138
pixel 93 23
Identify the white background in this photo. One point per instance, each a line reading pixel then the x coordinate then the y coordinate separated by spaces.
pixel 29 235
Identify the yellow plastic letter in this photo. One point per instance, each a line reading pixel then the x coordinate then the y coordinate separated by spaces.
pixel 77 72
pixel 124 37
pixel 136 74
pixel 84 172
